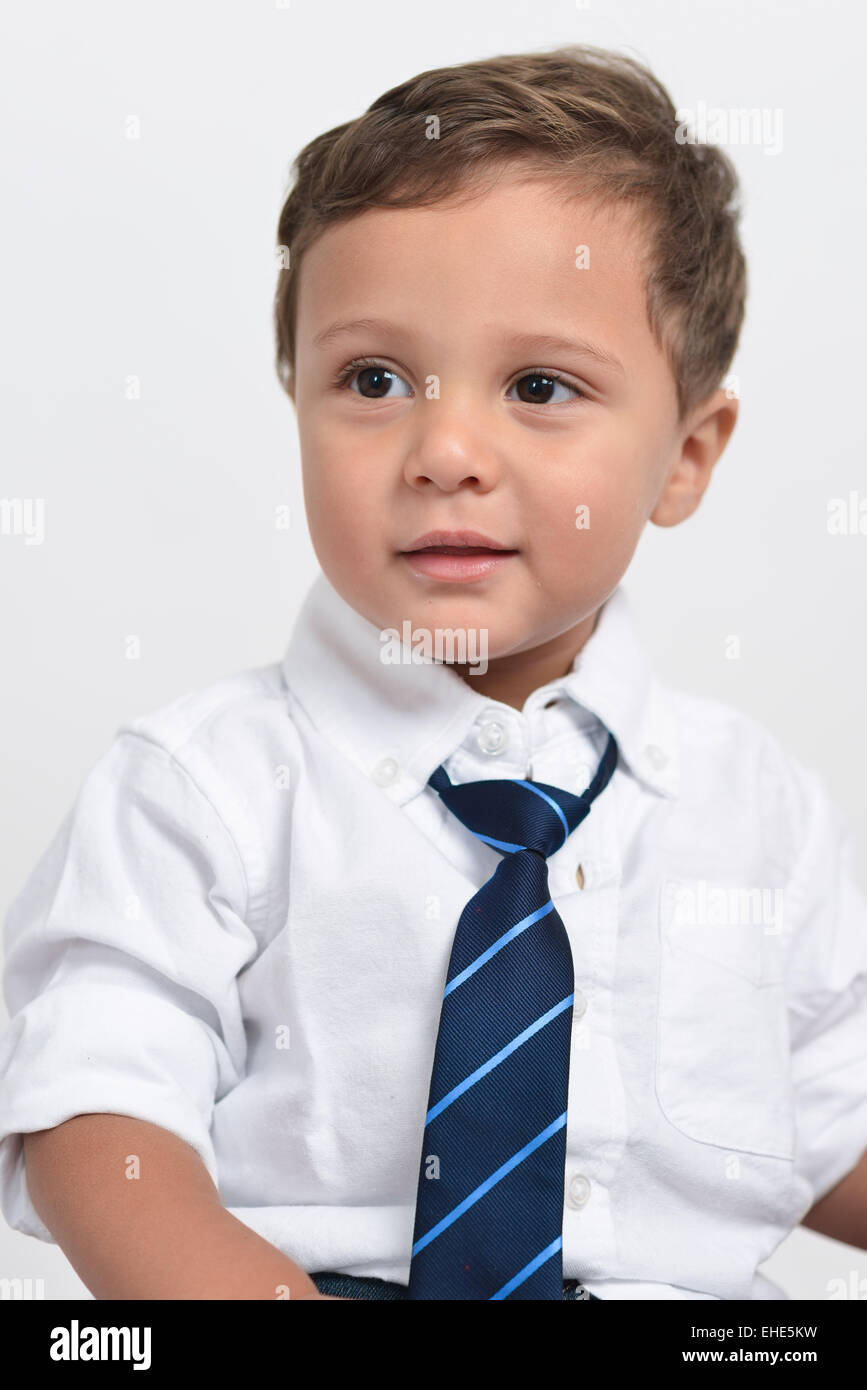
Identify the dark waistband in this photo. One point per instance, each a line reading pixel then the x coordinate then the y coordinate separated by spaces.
pixel 351 1286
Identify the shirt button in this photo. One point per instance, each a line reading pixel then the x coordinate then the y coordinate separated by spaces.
pixel 579 876
pixel 655 756
pixel 579 1004
pixel 578 1191
pixel 491 737
pixel 385 772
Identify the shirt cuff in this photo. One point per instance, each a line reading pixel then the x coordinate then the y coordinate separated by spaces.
pixel 96 1049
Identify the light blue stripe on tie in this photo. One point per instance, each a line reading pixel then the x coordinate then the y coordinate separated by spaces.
pixel 528 1269
pixel 490 1182
pixel 498 844
pixel 497 1058
pixel 498 945
pixel 551 802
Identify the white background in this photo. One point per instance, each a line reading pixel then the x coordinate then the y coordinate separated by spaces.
pixel 154 258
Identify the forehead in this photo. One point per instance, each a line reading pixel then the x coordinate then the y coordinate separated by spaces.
pixel 523 254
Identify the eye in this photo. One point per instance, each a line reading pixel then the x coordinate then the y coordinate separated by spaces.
pixel 540 387
pixel 374 379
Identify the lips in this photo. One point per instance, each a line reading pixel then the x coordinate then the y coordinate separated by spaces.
pixel 456 557
pixel 457 543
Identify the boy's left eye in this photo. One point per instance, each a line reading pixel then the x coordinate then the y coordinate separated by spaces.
pixel 375 378
pixel 541 385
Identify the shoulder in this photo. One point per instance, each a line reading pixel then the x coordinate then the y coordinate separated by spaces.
pixel 732 755
pixel 223 733
pixel 222 760
pixel 235 703
pixel 196 785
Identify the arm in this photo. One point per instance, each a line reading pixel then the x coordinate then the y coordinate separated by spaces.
pixel 842 1212
pixel 826 934
pixel 163 1235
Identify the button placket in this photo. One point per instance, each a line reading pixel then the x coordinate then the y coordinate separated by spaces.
pixel 577 1191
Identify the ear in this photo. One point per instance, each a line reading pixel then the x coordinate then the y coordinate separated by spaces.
pixel 700 443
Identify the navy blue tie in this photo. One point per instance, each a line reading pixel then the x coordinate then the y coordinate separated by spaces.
pixel 489 1209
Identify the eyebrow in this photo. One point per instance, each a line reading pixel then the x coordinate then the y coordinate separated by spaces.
pixel 525 342
pixel 546 342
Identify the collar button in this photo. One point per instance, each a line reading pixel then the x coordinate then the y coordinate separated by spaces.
pixel 655 756
pixel 492 737
pixel 385 772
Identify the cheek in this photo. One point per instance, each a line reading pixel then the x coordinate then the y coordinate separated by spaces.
pixel 343 520
pixel 335 479
pixel 591 509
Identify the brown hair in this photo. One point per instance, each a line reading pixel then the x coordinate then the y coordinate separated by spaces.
pixel 598 119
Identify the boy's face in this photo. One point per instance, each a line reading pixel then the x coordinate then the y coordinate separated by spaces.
pixel 458 423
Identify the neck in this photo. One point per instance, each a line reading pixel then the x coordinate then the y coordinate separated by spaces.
pixel 512 679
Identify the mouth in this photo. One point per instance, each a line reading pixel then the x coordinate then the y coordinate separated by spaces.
pixel 456 556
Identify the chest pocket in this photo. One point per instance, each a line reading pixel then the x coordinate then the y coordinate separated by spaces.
pixel 722 1061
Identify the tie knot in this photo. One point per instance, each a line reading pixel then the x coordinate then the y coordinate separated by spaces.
pixel 512 814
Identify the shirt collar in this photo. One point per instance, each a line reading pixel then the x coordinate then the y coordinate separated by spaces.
pixel 397 722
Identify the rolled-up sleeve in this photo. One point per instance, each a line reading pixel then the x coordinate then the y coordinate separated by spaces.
pixel 122 953
pixel 827 993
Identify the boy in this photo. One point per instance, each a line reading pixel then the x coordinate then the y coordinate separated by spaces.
pixel 256 1033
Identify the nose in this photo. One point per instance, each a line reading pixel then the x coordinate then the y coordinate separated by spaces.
pixel 450 451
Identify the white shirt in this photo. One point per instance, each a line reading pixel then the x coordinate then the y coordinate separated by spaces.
pixel 242 932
